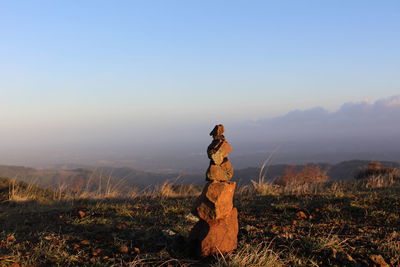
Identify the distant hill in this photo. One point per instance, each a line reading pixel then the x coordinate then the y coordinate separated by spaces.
pixel 346 170
pixel 74 180
pixel 142 178
pixel 244 176
pixel 343 171
pixel 92 179
pixel 15 171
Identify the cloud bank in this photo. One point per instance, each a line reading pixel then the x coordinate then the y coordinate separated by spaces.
pixel 366 120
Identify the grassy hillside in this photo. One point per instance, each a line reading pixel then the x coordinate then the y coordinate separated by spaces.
pixel 12 190
pixel 142 178
pixel 340 225
pixel 73 181
pixel 91 179
pixel 124 180
pixel 343 171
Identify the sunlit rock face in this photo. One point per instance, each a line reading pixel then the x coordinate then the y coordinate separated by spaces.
pixel 217 230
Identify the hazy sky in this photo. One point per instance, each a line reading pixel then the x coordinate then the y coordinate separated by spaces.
pixel 80 69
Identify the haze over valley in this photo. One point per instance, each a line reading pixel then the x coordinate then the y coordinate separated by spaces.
pixel 365 130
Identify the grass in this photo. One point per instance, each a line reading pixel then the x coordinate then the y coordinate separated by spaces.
pixel 249 255
pixel 16 191
pixel 335 224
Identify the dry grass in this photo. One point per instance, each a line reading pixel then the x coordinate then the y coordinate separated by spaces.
pixel 309 174
pixel 341 224
pixel 17 192
pixel 23 192
pixel 168 189
pixel 20 192
pixel 375 169
pixel 312 180
pixel 264 188
pixel 334 230
pixel 306 180
pixel 391 246
pixel 379 181
pixel 250 255
pixel 323 241
pixel 335 188
pixel 106 188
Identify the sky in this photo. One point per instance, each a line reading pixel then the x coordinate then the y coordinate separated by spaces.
pixel 139 71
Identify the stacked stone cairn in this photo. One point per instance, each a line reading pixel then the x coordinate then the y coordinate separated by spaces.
pixel 216 231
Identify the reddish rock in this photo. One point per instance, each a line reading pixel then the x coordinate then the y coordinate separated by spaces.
pixel 97 252
pixel 85 242
pixel 214 146
pixel 218 130
pixel 123 249
pixel 223 172
pixel 218 150
pixel 217 236
pixel 215 202
pixel 81 213
pixel 216 231
pixel 301 215
pixel 11 238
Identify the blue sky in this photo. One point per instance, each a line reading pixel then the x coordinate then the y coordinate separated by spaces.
pixel 66 64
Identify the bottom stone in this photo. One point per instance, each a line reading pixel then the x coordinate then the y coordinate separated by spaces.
pixel 217 236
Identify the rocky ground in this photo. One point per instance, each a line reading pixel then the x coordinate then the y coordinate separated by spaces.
pixel 344 229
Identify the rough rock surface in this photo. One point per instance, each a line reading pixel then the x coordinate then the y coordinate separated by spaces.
pixel 220 168
pixel 223 172
pixel 218 151
pixel 216 201
pixel 216 231
pixel 218 130
pixel 217 236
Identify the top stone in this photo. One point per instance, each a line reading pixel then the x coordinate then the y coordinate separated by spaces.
pixel 218 130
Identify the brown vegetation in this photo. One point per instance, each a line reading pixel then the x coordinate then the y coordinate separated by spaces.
pixel 308 174
pixel 375 169
pixel 341 225
pixel 305 224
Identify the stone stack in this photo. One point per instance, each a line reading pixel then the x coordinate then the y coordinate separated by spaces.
pixel 220 168
pixel 217 230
